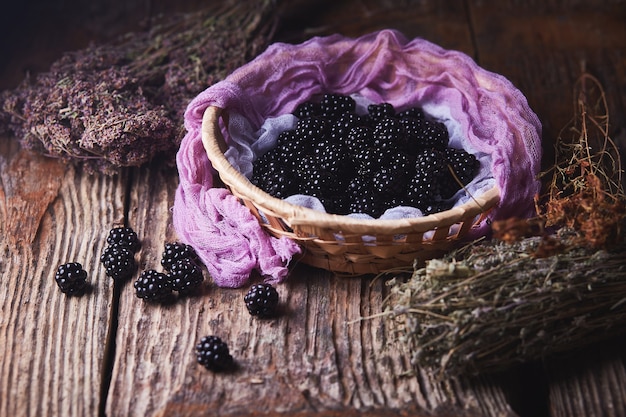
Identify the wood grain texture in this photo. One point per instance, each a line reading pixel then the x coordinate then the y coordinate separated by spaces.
pixel 52 347
pixel 110 354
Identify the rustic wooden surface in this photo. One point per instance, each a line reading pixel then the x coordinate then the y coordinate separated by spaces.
pixel 109 354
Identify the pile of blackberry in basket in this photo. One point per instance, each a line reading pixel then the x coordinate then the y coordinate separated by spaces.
pixel 365 163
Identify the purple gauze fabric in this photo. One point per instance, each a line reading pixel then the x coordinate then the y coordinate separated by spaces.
pixel 384 67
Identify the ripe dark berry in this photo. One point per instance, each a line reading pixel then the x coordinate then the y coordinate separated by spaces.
pixel 411 113
pixel 119 261
pixel 433 135
pixel 380 111
pixel 213 354
pixel 307 109
pixel 334 105
pixel 153 286
pixel 71 278
pixel 176 251
pixel 262 300
pixel 124 236
pixel 185 276
pixel 463 163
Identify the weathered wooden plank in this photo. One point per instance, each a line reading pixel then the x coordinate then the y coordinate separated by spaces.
pixel 444 23
pixel 52 347
pixel 541 47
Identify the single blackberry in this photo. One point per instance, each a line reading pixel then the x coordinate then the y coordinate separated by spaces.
pixel 334 105
pixel 176 251
pixel 71 278
pixel 185 276
pixel 380 111
pixel 262 300
pixel 413 133
pixel 433 135
pixel 424 186
pixel 411 113
pixel 464 164
pixel 332 156
pixel 368 204
pixel 359 137
pixel 307 109
pixel 124 236
pixel 213 354
pixel 390 182
pixel 311 128
pixel 119 261
pixel 389 130
pixel 153 286
pixel 340 128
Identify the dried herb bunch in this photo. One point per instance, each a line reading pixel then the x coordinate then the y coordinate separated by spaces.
pixel 500 305
pixel 122 103
pixel 586 192
pixel 540 286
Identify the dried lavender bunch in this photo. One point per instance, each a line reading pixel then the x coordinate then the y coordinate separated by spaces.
pixel 495 304
pixel 122 104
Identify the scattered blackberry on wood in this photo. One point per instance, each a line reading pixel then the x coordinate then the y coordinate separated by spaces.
pixel 262 300
pixel 119 261
pixel 213 354
pixel 71 278
pixel 153 286
pixel 124 236
pixel 176 251
pixel 185 276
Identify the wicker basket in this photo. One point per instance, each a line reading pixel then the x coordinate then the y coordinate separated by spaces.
pixel 343 244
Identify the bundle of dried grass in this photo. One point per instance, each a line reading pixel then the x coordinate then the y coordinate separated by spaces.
pixel 121 103
pixel 541 286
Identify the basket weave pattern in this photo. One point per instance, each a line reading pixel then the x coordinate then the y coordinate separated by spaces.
pixel 343 244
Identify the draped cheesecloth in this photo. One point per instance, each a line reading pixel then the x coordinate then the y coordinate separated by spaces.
pixel 484 109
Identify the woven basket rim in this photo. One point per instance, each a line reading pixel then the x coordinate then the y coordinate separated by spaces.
pixel 215 146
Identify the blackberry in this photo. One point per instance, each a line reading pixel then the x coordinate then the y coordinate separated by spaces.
pixel 124 236
pixel 424 185
pixel 389 181
pixel 389 131
pixel 71 278
pixel 311 128
pixel 359 137
pixel 368 203
pixel 153 286
pixel 433 135
pixel 119 261
pixel 262 300
pixel 213 354
pixel 307 109
pixel 463 163
pixel 411 113
pixel 340 129
pixel 185 276
pixel 176 251
pixel 334 105
pixel 380 111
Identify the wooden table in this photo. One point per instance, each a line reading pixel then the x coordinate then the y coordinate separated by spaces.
pixel 109 353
